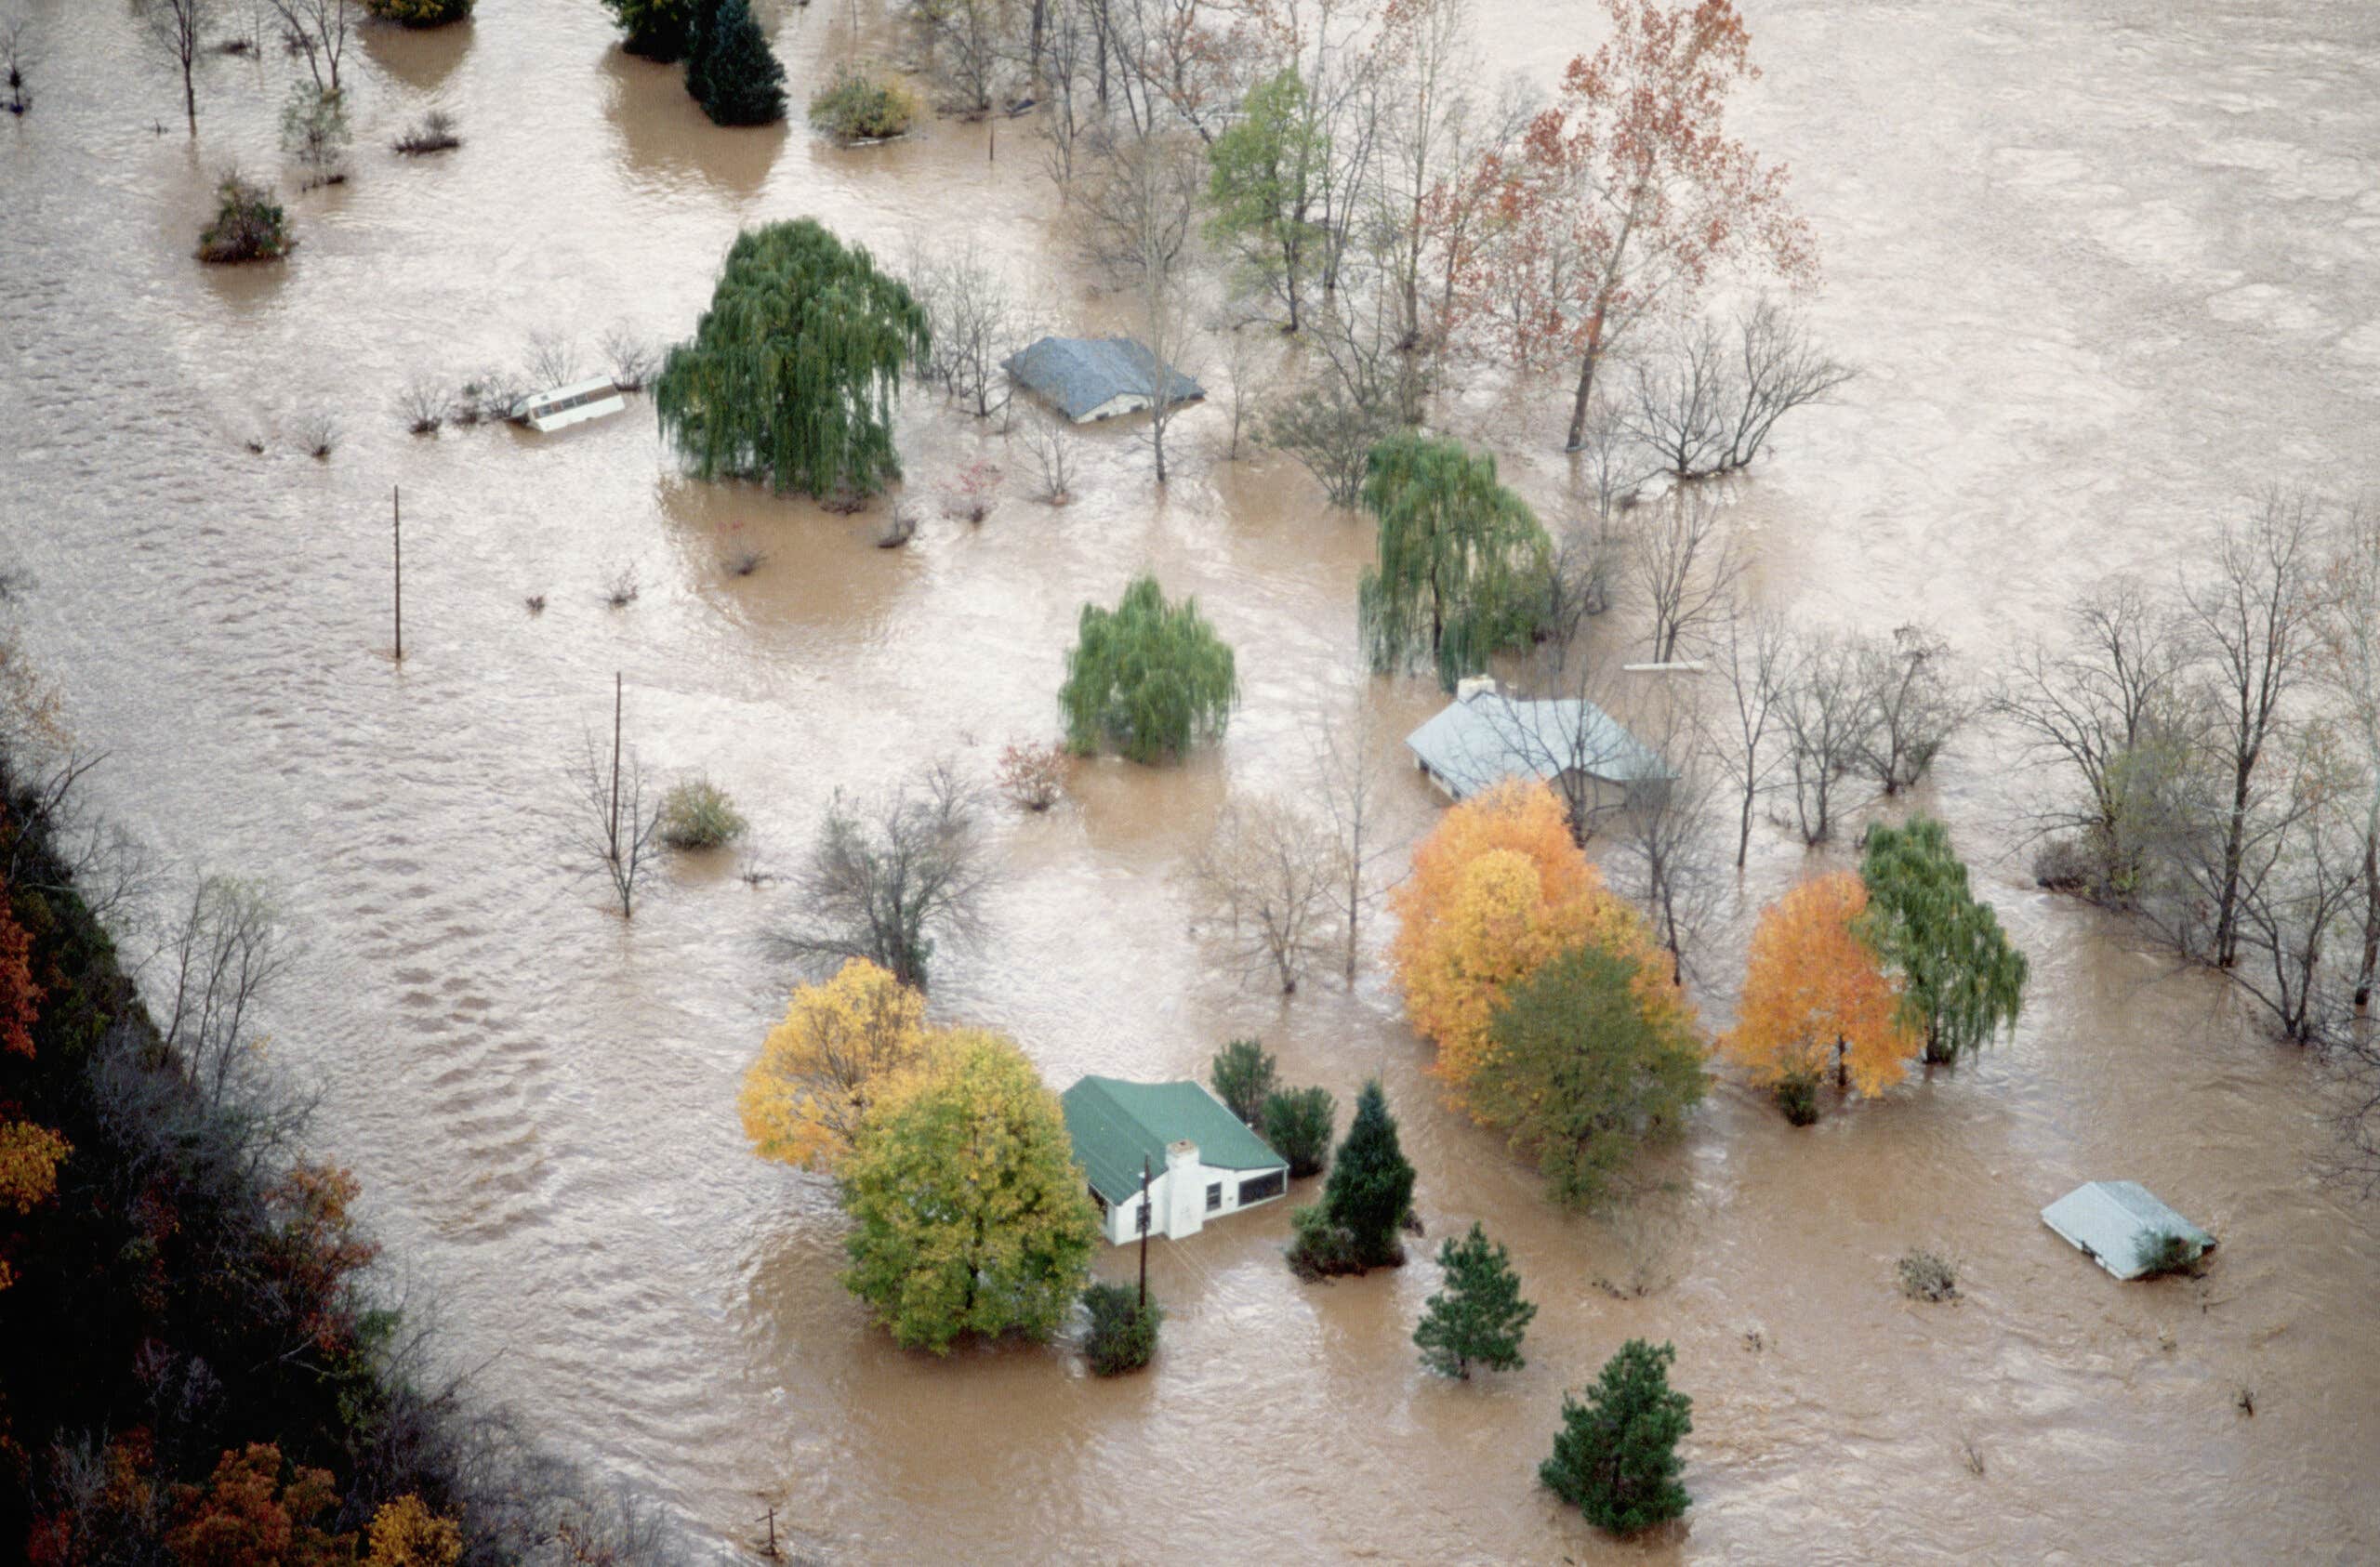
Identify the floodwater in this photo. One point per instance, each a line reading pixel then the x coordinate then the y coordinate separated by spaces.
pixel 2106 267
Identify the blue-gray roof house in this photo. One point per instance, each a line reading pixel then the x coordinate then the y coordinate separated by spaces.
pixel 1484 737
pixel 1090 378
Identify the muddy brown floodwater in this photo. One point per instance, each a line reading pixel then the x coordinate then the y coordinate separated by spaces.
pixel 2106 268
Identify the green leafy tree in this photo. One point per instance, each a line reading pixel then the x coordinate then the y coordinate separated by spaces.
pixel 1370 1189
pixel 1123 1329
pixel 1463 563
pixel 967 1207
pixel 1148 677
pixel 1264 183
pixel 1583 1073
pixel 792 372
pixel 730 68
pixel 420 13
pixel 1480 1315
pixel 1241 1075
pixel 1297 1123
pixel 657 30
pixel 1616 1458
pixel 1961 977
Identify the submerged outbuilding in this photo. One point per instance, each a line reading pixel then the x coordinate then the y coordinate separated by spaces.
pixel 1092 378
pixel 2123 1227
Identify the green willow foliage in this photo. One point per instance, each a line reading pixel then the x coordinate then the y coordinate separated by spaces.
pixel 1148 677
pixel 792 372
pixel 1963 978
pixel 1463 563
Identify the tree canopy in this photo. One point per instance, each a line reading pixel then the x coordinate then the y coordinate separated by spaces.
pixel 1962 979
pixel 1616 1458
pixel 1463 562
pixel 1370 1189
pixel 656 30
pixel 802 1101
pixel 968 1211
pixel 1480 1315
pixel 1584 1074
pixel 1148 677
pixel 1297 1123
pixel 1261 187
pixel 1242 1075
pixel 792 372
pixel 730 70
pixel 1816 996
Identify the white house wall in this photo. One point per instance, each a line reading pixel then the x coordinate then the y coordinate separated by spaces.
pixel 1119 1224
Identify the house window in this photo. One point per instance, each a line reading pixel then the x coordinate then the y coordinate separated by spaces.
pixel 1272 1184
pixel 1214 1195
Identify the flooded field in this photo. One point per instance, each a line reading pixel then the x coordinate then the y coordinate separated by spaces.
pixel 2105 268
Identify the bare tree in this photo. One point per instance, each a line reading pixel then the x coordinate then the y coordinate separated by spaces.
pixel 1919 704
pixel 616 824
pixel 1347 406
pixel 1747 739
pixel 891 881
pixel 1265 882
pixel 2300 886
pixel 1662 855
pixel 2350 667
pixel 318 30
pixel 630 355
pixel 1680 408
pixel 1687 566
pixel 969 47
pixel 2255 619
pixel 977 321
pixel 179 28
pixel 1134 207
pixel 1586 555
pixel 17 58
pixel 1244 364
pixel 1568 739
pixel 1777 371
pixel 1825 711
pixel 1610 460
pixel 2104 697
pixel 553 359
pixel 1351 778
pixel 219 957
pixel 1052 451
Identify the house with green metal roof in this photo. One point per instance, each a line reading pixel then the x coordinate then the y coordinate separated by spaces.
pixel 1200 1160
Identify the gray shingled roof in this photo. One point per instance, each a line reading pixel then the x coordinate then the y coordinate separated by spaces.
pixel 1482 738
pixel 1079 374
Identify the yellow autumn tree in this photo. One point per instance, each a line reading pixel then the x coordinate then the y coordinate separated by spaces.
pixel 1817 998
pixel 406 1534
pixel 1498 890
pixel 818 1071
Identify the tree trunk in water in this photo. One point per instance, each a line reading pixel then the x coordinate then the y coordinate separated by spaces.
pixel 190 98
pixel 1743 833
pixel 2226 909
pixel 2365 972
pixel 1586 386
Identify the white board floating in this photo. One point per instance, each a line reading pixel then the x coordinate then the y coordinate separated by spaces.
pixel 2110 1221
pixel 558 409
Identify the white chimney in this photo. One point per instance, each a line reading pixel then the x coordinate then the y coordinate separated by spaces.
pixel 1186 1198
pixel 1474 685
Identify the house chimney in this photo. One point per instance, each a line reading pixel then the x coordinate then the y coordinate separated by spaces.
pixel 1474 685
pixel 1185 1199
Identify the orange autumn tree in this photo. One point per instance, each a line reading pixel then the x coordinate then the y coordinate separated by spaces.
pixel 1496 890
pixel 1816 996
pixel 30 1153
pixel 818 1069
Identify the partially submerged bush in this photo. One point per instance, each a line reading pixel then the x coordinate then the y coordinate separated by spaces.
pixel 434 132
pixel 1123 1332
pixel 864 106
pixel 420 13
pixel 698 814
pixel 1297 1123
pixel 1925 1276
pixel 425 406
pixel 1033 773
pixel 1797 1095
pixel 249 225
pixel 1319 1249
pixel 2164 1251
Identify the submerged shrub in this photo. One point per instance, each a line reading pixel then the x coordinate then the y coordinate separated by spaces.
pixel 698 814
pixel 862 106
pixel 1123 1332
pixel 1797 1095
pixel 2162 1251
pixel 1925 1276
pixel 420 13
pixel 1319 1248
pixel 1297 1123
pixel 249 225
pixel 434 132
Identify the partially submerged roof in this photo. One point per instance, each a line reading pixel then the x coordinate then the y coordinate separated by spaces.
pixel 1482 739
pixel 1117 1124
pixel 2110 1221
pixel 1081 375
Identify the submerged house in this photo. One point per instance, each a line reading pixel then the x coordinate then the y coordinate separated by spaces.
pixel 1092 378
pixel 1483 737
pixel 1202 1161
pixel 2123 1227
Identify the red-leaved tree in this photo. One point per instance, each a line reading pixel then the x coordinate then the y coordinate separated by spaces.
pixel 1624 197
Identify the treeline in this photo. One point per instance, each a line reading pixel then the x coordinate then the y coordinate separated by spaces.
pixel 197 1367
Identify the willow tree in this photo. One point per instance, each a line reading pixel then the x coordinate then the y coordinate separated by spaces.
pixel 792 372
pixel 1149 678
pixel 1962 979
pixel 1463 562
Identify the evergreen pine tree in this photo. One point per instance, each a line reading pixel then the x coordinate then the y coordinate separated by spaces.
pixel 1615 1456
pixel 1480 1315
pixel 730 70
pixel 1370 1189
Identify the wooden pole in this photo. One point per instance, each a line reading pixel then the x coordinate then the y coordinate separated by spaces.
pixel 397 533
pixel 1145 1234
pixel 992 148
pixel 615 829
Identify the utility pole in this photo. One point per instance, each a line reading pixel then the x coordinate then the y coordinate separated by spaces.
pixel 1144 1232
pixel 397 534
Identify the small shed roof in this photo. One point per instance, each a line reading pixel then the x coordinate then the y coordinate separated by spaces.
pixel 2107 1220
pixel 1482 739
pixel 1079 374
pixel 1116 1125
